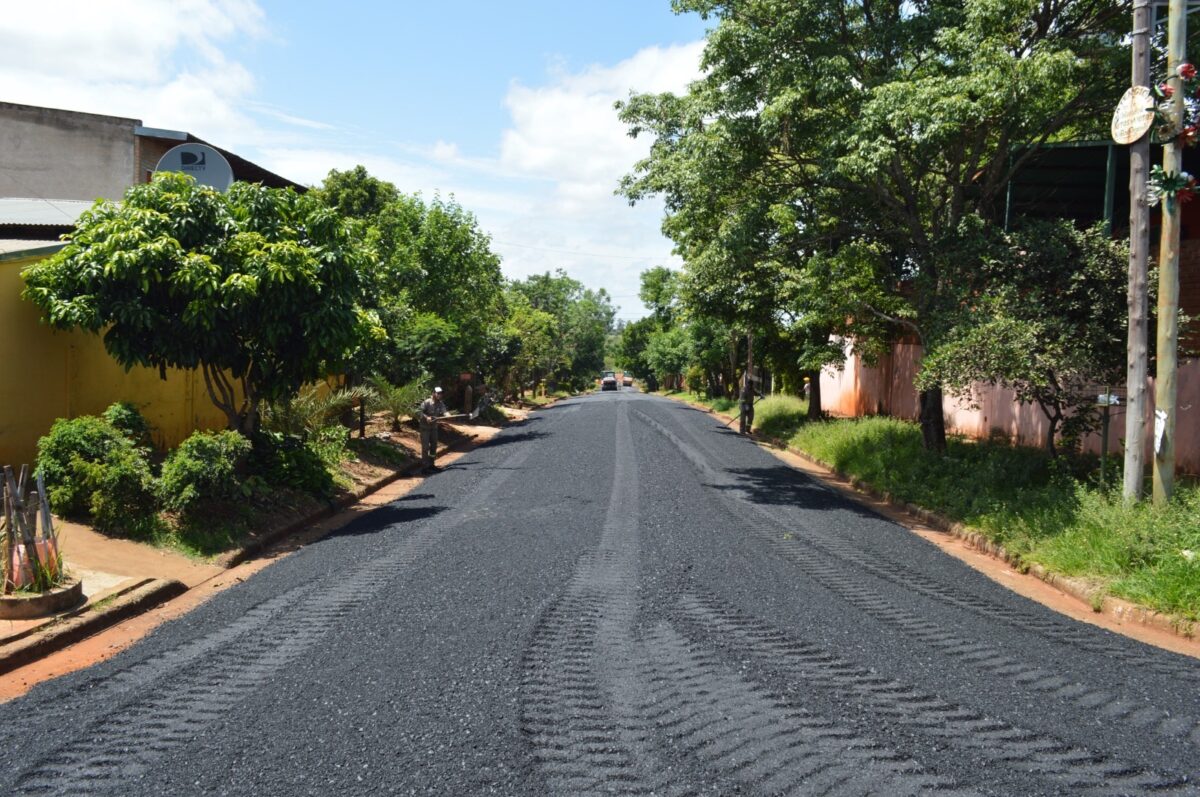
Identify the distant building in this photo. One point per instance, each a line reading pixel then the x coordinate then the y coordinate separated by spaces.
pixel 54 164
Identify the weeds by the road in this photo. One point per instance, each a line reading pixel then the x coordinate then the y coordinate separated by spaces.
pixel 1041 508
pixel 1048 511
pixel 780 416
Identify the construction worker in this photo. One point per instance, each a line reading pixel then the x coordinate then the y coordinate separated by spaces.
pixel 431 409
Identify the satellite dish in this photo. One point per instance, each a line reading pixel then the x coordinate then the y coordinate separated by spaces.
pixel 201 161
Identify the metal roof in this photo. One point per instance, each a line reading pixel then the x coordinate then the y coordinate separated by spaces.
pixel 19 249
pixel 36 212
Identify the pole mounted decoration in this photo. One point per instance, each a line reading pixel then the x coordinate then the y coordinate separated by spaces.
pixel 1173 186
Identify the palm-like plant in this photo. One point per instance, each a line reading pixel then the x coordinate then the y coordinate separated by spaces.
pixel 398 401
pixel 314 408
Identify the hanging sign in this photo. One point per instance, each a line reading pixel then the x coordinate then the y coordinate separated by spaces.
pixel 1134 115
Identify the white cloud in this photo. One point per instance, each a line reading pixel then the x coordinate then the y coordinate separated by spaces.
pixel 159 62
pixel 546 198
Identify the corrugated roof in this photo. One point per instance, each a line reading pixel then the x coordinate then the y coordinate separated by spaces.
pixel 51 212
pixel 17 249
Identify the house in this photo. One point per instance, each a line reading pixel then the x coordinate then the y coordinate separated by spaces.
pixel 53 165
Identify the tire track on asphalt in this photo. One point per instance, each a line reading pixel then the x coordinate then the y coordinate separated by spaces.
pixel 847 582
pixel 581 696
pixel 1022 751
pixel 898 573
pixel 606 712
pixel 738 731
pixel 209 677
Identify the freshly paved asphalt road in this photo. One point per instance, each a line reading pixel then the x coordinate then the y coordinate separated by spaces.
pixel 619 596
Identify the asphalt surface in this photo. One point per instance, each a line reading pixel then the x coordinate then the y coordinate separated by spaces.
pixel 618 596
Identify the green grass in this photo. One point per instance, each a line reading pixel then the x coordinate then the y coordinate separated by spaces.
pixel 780 416
pixel 719 404
pixel 1035 506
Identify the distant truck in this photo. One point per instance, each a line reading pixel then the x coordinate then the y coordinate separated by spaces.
pixel 609 381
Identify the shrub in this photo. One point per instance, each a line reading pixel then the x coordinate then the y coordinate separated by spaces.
pixel 313 409
pixel 204 469
pixel 122 494
pixel 292 462
pixel 696 381
pixel 129 421
pixel 70 445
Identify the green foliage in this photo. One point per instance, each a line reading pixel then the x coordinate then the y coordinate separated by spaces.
pixel 668 352
pixel 125 417
pixel 70 445
pixel 355 193
pixel 314 408
pixel 122 492
pixel 399 401
pixel 299 464
pixel 1048 322
pixel 780 416
pixel 90 467
pixel 831 171
pixel 696 380
pixel 567 327
pixel 257 287
pixel 205 470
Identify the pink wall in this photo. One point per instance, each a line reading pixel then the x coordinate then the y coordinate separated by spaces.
pixel 887 389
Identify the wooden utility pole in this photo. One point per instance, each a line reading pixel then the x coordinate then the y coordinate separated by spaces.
pixel 1139 254
pixel 1168 271
pixel 747 409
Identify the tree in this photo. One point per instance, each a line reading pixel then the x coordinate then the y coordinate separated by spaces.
pixel 584 318
pixel 893 126
pixel 668 353
pixel 259 288
pixel 355 193
pixel 1049 323
pixel 437 260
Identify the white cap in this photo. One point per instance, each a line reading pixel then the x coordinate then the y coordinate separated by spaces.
pixel 437 390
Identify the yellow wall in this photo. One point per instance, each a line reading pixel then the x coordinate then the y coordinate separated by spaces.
pixel 45 375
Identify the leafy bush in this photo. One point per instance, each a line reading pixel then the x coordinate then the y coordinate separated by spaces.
pixel 292 462
pixel 122 493
pixel 313 408
pixel 205 468
pixel 70 445
pixel 91 467
pixel 129 421
pixel 696 381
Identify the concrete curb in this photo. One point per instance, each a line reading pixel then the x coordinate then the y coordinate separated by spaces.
pixel 259 544
pixel 1078 588
pixel 88 621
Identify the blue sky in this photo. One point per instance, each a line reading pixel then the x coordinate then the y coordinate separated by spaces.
pixel 507 106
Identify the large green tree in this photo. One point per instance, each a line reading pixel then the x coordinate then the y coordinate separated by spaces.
pixel 888 131
pixel 258 288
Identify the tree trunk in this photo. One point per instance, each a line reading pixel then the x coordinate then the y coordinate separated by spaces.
pixel 814 395
pixel 933 423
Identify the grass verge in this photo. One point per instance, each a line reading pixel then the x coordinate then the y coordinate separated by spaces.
pixel 1048 511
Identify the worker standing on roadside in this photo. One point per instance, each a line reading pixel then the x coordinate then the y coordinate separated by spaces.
pixel 431 409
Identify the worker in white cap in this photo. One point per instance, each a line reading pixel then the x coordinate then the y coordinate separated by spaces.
pixel 431 409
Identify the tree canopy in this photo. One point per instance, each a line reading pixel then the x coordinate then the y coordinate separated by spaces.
pixel 259 288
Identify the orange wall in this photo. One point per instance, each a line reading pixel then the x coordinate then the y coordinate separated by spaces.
pixel 887 389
